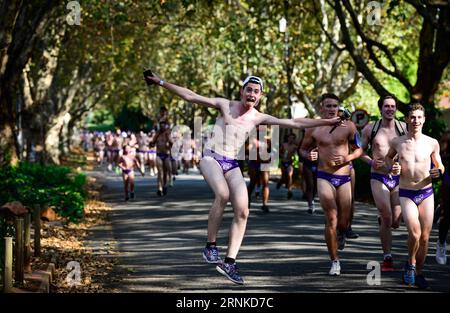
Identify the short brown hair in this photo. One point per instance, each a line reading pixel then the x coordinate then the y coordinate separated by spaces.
pixel 414 106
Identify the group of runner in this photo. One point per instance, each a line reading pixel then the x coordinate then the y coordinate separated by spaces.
pixel 402 159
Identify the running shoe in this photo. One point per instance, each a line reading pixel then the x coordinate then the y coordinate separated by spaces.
pixel 132 195
pixel 311 209
pixel 265 208
pixel 421 282
pixel 230 271
pixel 335 268
pixel 211 254
pixel 388 264
pixel 164 191
pixel 441 257
pixel 409 274
pixel 290 194
pixel 350 234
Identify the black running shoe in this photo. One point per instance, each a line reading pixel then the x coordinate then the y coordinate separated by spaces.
pixel 350 234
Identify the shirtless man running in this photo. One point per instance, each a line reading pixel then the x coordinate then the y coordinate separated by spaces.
pixel 384 186
pixel 331 146
pixel 416 152
pixel 219 165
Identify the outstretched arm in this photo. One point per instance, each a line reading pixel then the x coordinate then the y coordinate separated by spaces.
pixel 187 94
pixel 298 122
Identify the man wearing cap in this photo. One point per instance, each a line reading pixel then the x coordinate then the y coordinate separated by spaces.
pixel 219 164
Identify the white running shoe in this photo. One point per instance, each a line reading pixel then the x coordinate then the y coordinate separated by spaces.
pixel 335 268
pixel 441 257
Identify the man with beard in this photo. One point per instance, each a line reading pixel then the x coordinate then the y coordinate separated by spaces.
pixel 219 165
pixel 384 186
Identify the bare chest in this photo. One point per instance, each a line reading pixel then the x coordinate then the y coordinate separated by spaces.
pixel 337 138
pixel 380 143
pixel 415 152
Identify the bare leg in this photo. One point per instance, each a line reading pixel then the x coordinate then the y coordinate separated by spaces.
pixel 426 211
pixel 160 179
pixel 344 203
pixel 239 201
pixel 289 173
pixel 131 181
pixel 125 184
pixel 327 196
pixel 265 186
pixel 308 183
pixel 396 209
pixel 382 198
pixel 411 216
pixel 214 177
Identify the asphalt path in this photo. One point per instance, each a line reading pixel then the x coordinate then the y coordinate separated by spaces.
pixel 159 242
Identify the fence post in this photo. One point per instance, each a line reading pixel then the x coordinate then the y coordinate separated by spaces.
pixel 7 272
pixel 27 263
pixel 19 251
pixel 37 229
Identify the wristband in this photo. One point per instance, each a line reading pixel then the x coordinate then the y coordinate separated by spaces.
pixel 161 82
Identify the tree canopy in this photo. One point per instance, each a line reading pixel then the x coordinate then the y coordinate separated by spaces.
pixel 55 74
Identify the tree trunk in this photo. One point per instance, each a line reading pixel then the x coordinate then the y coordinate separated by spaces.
pixel 22 25
pixel 52 142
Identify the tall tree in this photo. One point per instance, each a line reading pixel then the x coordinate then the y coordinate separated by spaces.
pixel 432 44
pixel 23 25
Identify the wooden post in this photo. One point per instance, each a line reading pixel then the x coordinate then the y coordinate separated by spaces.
pixel 27 262
pixel 7 272
pixel 37 229
pixel 19 251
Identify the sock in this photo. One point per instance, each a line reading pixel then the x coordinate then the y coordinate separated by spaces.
pixel 209 244
pixel 229 260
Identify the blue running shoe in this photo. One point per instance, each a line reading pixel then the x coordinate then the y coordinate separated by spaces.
pixel 230 271
pixel 409 275
pixel 211 255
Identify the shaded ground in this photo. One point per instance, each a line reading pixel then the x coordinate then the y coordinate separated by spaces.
pixel 159 241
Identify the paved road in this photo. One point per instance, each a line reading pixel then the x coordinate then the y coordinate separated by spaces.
pixel 159 243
